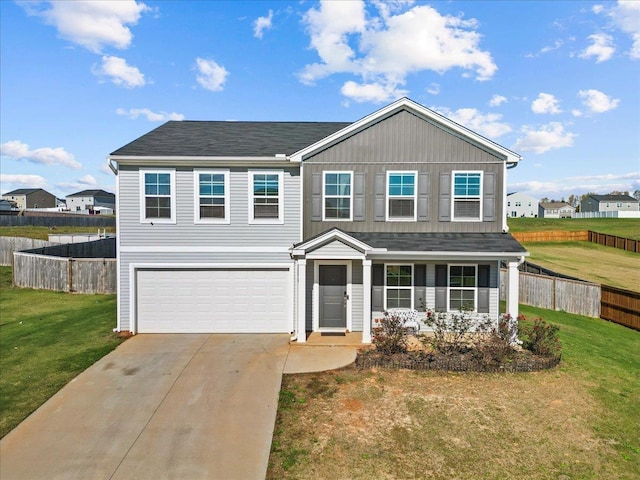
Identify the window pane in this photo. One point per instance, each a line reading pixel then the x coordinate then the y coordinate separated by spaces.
pixel 338 208
pixel 400 208
pixel 461 299
pixel 466 209
pixel 211 211
pixel 398 298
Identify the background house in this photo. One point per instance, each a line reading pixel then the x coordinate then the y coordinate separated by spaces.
pixel 556 210
pixel 91 201
pixel 610 203
pixel 6 205
pixel 31 198
pixel 521 205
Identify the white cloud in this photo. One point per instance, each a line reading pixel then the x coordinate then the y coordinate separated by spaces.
pixel 91 24
pixel 626 16
pixel 120 72
pixel 261 24
pixel 12 181
pixel 557 188
pixel 488 124
pixel 371 92
pixel 546 49
pixel 597 8
pixel 545 103
pixel 211 76
pixel 597 102
pixel 83 183
pixel 497 100
pixel 384 49
pixel 434 88
pixel 151 116
pixel 548 137
pixel 601 48
pixel 43 156
pixel 576 113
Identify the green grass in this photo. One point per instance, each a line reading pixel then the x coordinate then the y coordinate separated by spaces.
pixel 622 227
pixel 46 339
pixel 604 357
pixel 577 421
pixel 42 233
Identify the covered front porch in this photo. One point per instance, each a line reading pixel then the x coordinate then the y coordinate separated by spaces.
pixel 344 281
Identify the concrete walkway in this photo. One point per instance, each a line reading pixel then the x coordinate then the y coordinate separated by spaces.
pixel 165 407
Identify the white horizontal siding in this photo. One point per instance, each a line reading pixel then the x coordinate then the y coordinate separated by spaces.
pixel 186 232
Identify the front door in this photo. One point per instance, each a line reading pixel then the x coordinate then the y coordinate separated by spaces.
pixel 333 296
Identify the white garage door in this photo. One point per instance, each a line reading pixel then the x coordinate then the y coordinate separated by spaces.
pixel 214 301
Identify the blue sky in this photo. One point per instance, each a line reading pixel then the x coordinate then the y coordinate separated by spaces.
pixel 557 82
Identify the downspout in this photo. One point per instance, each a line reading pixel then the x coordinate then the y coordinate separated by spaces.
pixel 294 337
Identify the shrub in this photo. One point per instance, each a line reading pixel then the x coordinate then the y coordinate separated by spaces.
pixel 390 335
pixel 499 343
pixel 539 336
pixel 451 330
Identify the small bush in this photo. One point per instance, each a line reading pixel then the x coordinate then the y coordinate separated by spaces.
pixel 390 335
pixel 539 336
pixel 451 331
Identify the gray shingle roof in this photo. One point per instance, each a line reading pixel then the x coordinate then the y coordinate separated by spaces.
pixel 441 242
pixel 229 139
pixel 25 191
pixel 613 198
pixel 92 193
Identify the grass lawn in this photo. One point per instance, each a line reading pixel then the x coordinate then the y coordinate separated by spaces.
pixel 42 233
pixel 46 339
pixel 588 261
pixel 579 420
pixel 622 227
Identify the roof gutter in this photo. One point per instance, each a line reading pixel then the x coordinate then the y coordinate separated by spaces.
pixel 113 168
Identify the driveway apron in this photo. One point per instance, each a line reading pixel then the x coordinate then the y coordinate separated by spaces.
pixel 158 407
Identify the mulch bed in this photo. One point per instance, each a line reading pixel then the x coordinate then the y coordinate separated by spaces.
pixel 524 361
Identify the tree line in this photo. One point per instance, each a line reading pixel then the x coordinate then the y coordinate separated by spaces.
pixel 575 200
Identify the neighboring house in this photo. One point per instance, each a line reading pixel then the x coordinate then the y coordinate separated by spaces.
pixel 521 205
pixel 91 201
pixel 556 210
pixel 310 226
pixel 31 198
pixel 609 203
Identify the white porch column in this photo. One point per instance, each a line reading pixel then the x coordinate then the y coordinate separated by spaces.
pixel 366 301
pixel 302 300
pixel 513 281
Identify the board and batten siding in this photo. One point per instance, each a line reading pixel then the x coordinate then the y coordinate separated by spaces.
pixel 185 232
pixel 406 142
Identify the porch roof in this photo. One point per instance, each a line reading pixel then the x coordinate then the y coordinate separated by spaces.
pixel 441 242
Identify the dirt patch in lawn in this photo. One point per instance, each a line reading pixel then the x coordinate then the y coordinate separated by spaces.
pixel 391 424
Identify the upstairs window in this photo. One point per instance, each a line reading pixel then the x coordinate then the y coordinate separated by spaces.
pixel 158 201
pixel 398 289
pixel 462 287
pixel 265 200
pixel 212 196
pixel 467 196
pixel 401 196
pixel 337 199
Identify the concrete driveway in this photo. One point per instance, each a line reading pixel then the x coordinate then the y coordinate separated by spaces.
pixel 158 407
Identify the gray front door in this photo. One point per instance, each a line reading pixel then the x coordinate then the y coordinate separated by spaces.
pixel 333 296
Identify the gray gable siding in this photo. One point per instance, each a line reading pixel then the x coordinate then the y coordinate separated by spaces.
pixel 238 233
pixel 406 142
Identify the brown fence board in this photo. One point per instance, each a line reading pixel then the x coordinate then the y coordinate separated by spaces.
pixel 621 306
pixel 628 244
pixel 552 236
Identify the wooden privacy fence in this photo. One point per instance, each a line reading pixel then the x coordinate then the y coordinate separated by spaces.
pixel 8 245
pixel 628 244
pixel 621 306
pixel 574 296
pixel 554 293
pixel 80 275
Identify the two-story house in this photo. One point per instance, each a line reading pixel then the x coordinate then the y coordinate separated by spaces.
pixel 30 198
pixel 521 205
pixel 556 210
pixel 609 203
pixel 92 201
pixel 302 226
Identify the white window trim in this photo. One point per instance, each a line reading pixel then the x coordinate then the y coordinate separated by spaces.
pixel 411 288
pixel 196 198
pixel 172 195
pixel 453 196
pixel 324 177
pixel 449 287
pixel 415 196
pixel 267 221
